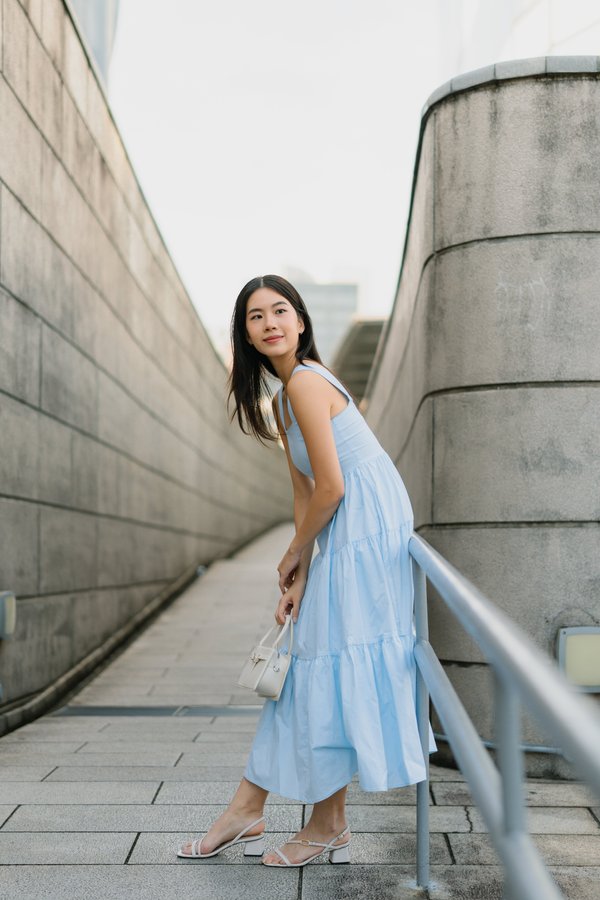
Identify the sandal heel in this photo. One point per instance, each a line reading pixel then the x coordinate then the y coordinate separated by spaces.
pixel 255 848
pixel 340 854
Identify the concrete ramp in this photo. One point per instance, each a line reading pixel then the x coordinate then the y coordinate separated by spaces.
pixel 97 795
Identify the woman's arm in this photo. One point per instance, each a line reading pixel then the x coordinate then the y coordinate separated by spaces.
pixel 300 506
pixel 310 396
pixel 303 487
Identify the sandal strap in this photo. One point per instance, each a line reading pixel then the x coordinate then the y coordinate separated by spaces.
pixel 283 856
pixel 312 843
pixel 197 842
pixel 320 843
pixel 244 830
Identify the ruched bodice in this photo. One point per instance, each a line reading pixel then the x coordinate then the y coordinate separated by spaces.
pixel 355 442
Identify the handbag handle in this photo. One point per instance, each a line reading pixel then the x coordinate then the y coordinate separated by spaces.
pixel 288 624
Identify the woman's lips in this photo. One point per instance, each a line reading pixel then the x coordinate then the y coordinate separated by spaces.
pixel 273 339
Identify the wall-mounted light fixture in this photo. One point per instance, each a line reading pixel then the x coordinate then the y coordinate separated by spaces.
pixel 578 651
pixel 8 613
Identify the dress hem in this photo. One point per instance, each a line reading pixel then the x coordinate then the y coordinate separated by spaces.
pixel 345 782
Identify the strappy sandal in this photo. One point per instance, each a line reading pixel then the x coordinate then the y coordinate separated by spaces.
pixel 255 845
pixel 339 854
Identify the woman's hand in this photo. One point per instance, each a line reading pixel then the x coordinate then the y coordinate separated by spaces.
pixel 290 602
pixel 286 569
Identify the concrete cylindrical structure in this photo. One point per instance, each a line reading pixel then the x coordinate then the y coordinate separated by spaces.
pixel 485 385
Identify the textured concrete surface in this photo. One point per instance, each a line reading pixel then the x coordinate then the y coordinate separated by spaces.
pixel 120 470
pixel 95 805
pixel 484 387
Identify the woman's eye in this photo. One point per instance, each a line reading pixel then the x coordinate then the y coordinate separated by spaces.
pixel 257 315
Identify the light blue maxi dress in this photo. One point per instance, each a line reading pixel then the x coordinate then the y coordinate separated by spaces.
pixel 348 704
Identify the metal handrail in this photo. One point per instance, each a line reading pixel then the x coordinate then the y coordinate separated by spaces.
pixel 522 674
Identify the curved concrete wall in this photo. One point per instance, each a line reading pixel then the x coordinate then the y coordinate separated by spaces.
pixel 119 470
pixel 485 387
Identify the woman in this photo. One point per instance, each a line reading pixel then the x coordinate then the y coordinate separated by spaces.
pixel 348 701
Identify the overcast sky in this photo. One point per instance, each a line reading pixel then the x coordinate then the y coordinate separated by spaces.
pixel 270 135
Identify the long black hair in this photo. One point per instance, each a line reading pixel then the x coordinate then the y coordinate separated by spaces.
pixel 247 380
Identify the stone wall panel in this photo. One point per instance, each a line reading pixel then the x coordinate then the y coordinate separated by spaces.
pixel 119 471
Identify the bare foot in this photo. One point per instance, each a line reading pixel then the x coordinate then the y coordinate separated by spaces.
pixel 299 852
pixel 225 828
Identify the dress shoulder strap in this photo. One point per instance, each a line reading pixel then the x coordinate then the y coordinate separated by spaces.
pixel 316 367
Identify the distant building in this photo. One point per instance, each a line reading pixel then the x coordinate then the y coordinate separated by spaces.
pixel 97 20
pixel 332 308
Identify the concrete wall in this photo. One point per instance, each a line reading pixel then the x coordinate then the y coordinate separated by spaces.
pixel 119 470
pixel 485 386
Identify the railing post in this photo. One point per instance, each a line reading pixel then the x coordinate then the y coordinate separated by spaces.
pixel 422 703
pixel 510 761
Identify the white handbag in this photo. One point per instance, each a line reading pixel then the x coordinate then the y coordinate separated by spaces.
pixel 266 667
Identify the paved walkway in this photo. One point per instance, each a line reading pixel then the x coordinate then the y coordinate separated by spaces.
pixel 93 806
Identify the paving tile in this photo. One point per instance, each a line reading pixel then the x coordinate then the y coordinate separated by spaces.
pixel 155 757
pixel 466 883
pixel 198 677
pixel 441 773
pixel 535 794
pixel 145 773
pixel 5 811
pixel 36 748
pixel 557 849
pixel 59 725
pixel 123 666
pixel 123 817
pixel 49 736
pixel 180 745
pixel 239 738
pixel 24 773
pixel 486 883
pixel 159 734
pixel 27 848
pixel 198 671
pixel 193 879
pixel 145 658
pixel 246 699
pixel 204 792
pixel 577 882
pixel 112 677
pixel 340 882
pixel 548 820
pixel 98 689
pixel 209 755
pixel 99 719
pixel 402 818
pixel 25 792
pixel 104 698
pixel 234 723
pixel 191 689
pixel 406 796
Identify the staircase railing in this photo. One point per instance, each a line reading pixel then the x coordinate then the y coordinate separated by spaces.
pixel 523 675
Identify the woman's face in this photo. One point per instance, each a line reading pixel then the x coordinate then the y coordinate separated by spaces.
pixel 272 324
